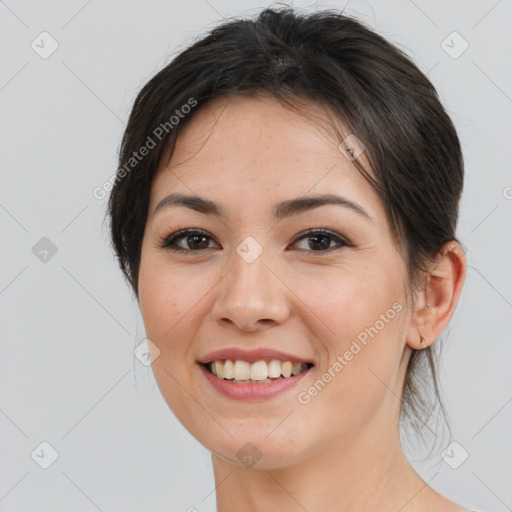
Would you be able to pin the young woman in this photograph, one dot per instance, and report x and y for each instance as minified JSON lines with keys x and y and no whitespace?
{"x":285,"y":210}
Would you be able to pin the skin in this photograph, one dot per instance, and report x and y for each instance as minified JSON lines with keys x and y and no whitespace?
{"x":341,"y":451}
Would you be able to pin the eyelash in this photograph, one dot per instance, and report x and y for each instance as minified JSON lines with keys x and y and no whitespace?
{"x":169,"y":242}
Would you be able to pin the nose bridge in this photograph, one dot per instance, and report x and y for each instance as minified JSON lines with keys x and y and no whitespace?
{"x":250,"y":293}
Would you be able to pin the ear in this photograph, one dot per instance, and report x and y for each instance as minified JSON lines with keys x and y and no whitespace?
{"x":435,"y":303}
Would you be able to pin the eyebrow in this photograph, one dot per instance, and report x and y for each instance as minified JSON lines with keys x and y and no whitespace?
{"x":281,"y":210}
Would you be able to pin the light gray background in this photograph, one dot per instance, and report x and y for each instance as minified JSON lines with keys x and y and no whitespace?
{"x":69,"y":325}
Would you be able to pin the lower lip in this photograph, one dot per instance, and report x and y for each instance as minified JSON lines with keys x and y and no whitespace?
{"x":250,"y":392}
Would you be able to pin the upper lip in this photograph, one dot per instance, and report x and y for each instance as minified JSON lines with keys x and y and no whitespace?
{"x":250,"y":356}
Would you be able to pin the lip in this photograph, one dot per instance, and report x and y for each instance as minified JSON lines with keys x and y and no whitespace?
{"x":251,"y":356}
{"x":251,"y":392}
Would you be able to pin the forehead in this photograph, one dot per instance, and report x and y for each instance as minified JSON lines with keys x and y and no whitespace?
{"x":241,"y":145}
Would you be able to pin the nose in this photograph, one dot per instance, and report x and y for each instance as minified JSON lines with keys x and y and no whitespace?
{"x":251,"y":296}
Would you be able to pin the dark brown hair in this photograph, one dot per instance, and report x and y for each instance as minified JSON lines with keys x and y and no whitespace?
{"x":335,"y":62}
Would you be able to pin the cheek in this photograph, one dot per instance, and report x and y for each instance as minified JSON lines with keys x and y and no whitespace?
{"x":349,"y":299}
{"x":169,"y":302}
{"x":168,"y":294}
{"x":360,"y":317}
{"x":174,"y":304}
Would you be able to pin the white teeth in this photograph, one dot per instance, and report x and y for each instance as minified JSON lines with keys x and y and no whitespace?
{"x":229,"y":369}
{"x":286,"y":369}
{"x":219,"y":369}
{"x":242,"y":370}
{"x":274,"y":368}
{"x":296,"y":368}
{"x":259,"y":371}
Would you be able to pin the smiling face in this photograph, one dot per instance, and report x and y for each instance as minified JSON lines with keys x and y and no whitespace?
{"x":251,"y":278}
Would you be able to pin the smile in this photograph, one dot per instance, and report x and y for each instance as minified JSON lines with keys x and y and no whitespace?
{"x":241,"y":380}
{"x":244,"y":372}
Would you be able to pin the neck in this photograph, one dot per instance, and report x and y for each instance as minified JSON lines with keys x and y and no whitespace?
{"x":360,"y":474}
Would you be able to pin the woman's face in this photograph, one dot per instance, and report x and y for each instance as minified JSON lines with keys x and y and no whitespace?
{"x":252,"y":280}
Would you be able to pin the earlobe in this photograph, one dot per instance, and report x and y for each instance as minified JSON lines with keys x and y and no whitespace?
{"x":436,"y":302}
{"x":415,"y":338}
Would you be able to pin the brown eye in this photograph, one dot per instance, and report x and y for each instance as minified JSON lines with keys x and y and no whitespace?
{"x":187,"y":240}
{"x":193,"y":240}
{"x":197,"y":241}
{"x":320,"y":240}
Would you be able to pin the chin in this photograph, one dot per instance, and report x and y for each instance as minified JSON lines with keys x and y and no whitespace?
{"x":256,"y":449}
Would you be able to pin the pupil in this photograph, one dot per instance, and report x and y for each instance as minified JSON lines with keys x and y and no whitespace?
{"x":326,"y":239}
{"x":194,"y":239}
